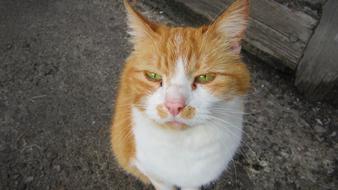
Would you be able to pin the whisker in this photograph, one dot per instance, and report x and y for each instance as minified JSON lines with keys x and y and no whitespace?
{"x":232,"y":126}
{"x":234,"y":112}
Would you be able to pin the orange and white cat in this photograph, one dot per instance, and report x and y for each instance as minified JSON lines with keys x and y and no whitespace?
{"x":178,"y":117}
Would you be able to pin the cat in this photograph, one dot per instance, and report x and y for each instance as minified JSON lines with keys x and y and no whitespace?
{"x":179,"y":110}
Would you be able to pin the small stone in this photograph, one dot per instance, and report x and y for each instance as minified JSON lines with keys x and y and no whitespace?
{"x":319,"y":122}
{"x":57,"y":168}
{"x":263,"y":163}
{"x":320,"y":129}
{"x":9,"y":46}
{"x":320,"y":139}
{"x":267,"y":169}
{"x":29,"y":179}
{"x":333,"y":134}
{"x":16,"y":176}
{"x":284,"y":154}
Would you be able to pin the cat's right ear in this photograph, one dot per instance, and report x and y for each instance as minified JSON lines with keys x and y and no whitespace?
{"x":232,"y":24}
{"x":139,"y":27}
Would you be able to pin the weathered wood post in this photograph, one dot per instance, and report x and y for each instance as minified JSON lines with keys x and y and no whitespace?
{"x":317,"y":72}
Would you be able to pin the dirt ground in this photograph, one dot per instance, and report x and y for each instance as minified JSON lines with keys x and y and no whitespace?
{"x":59,"y":67}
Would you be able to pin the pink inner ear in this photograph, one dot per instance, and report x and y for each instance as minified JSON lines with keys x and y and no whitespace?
{"x":236,"y":47}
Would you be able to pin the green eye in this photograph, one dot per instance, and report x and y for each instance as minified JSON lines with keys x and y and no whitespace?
{"x":203,"y":79}
{"x":153,"y":76}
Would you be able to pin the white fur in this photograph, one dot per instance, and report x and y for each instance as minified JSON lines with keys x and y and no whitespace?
{"x":194,"y":156}
{"x":180,"y":77}
{"x":187,"y":158}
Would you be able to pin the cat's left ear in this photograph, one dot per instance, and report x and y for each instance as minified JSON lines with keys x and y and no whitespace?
{"x":232,"y":23}
{"x":139,"y":27}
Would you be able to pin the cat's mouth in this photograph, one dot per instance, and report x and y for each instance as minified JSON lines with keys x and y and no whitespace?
{"x":175,"y":123}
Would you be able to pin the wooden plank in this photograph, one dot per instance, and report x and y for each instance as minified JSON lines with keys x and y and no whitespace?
{"x":317,"y":73}
{"x":274,"y":29}
{"x":310,"y":7}
{"x":276,"y":16}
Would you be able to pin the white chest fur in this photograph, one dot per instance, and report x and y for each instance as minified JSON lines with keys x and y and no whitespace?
{"x":191,"y":157}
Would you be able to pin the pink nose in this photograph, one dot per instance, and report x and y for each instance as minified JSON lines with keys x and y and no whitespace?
{"x":174,"y":108}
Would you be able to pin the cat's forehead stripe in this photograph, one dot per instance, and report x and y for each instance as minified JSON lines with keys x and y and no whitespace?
{"x":179,"y":75}
{"x":184,"y":46}
{"x":178,"y":39}
{"x":176,"y":44}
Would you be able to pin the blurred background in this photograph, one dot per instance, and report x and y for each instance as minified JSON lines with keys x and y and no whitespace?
{"x":59,"y":69}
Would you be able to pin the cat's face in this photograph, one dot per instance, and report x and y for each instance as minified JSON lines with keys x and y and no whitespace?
{"x":180,"y":77}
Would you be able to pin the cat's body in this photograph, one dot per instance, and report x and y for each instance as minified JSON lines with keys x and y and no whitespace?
{"x":178,"y":116}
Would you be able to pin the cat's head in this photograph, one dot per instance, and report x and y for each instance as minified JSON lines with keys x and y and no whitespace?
{"x":178,"y":76}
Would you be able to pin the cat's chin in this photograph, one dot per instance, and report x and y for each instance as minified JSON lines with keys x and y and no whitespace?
{"x":174,"y":125}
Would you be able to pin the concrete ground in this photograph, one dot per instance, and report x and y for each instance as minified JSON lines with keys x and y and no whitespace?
{"x":59,"y":67}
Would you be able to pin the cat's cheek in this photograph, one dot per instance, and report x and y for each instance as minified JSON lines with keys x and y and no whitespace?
{"x":151,"y":112}
{"x":161,"y":111}
{"x":188,"y":113}
{"x":154,"y":105}
{"x":203,"y":100}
